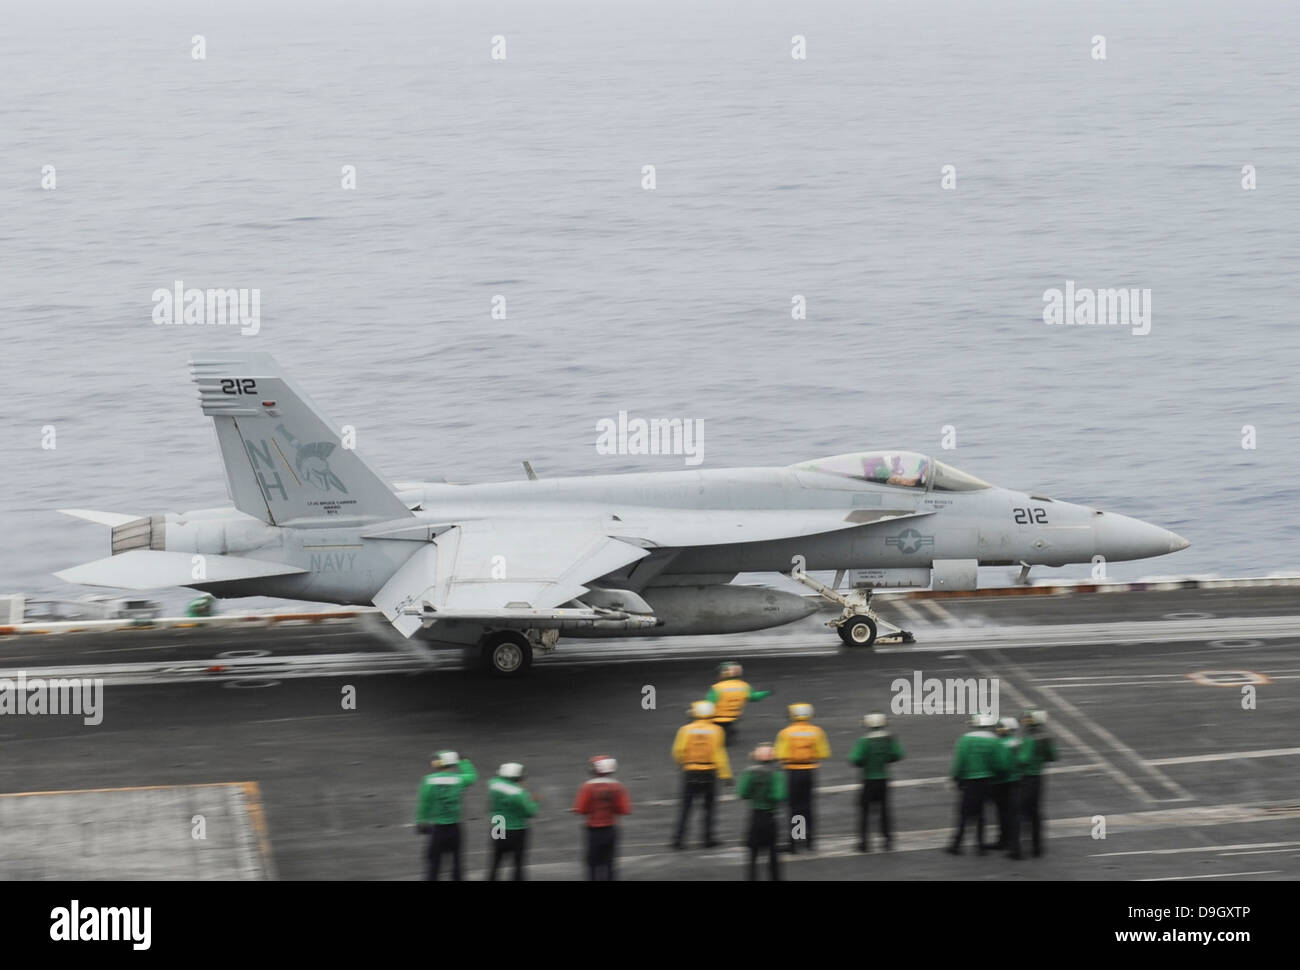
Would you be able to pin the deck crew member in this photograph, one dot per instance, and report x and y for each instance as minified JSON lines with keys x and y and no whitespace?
{"x":510,"y":806}
{"x":602,"y":800}
{"x":978,"y":756}
{"x":764,"y":787}
{"x":730,"y":695}
{"x":800,"y":747}
{"x":1006,"y":790}
{"x":438,"y":809}
{"x":874,"y":752}
{"x":1036,"y":750}
{"x":701,"y":750}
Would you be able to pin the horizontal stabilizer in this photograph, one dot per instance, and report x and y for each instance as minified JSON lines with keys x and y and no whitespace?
{"x":154,"y":569}
{"x":103,"y":518}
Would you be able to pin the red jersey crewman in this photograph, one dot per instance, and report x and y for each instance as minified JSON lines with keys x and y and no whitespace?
{"x":602,"y":800}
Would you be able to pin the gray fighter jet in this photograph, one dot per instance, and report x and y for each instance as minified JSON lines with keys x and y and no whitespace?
{"x":506,"y":568}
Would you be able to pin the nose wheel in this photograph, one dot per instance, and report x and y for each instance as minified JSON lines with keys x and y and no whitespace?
{"x":858,"y":631}
{"x":858,"y":624}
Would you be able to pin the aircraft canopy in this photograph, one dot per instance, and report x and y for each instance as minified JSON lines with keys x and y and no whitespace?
{"x":906,"y":469}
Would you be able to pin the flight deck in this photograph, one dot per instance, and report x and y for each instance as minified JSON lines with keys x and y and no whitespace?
{"x":302,"y":744}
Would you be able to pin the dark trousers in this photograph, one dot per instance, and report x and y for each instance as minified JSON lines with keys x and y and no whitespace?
{"x":974,"y":793}
{"x":701,"y":785}
{"x":512,"y":843}
{"x":874,"y":791}
{"x":600,"y":853}
{"x":1031,"y":801}
{"x":444,"y":840}
{"x":729,"y":730}
{"x":762,"y":838}
{"x":801,"y":781}
{"x":1006,"y":796}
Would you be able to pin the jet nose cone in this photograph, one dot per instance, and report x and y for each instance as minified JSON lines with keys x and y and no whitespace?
{"x":1120,"y":537}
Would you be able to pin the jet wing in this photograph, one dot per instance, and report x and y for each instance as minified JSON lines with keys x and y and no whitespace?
{"x":513,"y":571}
{"x":504,"y":570}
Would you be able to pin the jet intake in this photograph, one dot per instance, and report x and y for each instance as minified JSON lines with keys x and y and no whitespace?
{"x":955,"y":574}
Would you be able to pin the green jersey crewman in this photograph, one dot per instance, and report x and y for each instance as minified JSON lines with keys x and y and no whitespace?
{"x":978,"y":757}
{"x":1006,"y":790}
{"x":874,"y":752}
{"x":1036,"y":750}
{"x":510,"y":806}
{"x":438,"y":809}
{"x":764,"y":787}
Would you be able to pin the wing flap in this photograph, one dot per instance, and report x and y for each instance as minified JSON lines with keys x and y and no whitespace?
{"x":407,"y":587}
{"x":502,"y":570}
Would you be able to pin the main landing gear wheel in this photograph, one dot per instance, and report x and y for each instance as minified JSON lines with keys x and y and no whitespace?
{"x":858,"y":631}
{"x":507,"y":654}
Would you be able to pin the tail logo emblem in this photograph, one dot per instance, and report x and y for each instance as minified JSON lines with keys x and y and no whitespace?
{"x":312,"y":462}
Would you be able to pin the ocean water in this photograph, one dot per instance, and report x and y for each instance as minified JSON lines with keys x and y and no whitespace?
{"x":775,"y":177}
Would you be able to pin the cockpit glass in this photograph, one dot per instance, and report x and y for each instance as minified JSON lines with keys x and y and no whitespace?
{"x":949,"y":479}
{"x":905,"y":469}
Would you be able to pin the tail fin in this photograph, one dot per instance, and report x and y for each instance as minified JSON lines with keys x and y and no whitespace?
{"x":285,"y":462}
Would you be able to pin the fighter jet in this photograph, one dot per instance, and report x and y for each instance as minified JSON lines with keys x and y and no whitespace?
{"x":505,"y":569}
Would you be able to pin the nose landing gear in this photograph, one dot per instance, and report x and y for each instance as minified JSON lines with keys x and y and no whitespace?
{"x":858,"y":624}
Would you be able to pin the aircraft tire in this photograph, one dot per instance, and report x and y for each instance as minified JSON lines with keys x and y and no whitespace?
{"x":858,"y":631}
{"x":506,"y":653}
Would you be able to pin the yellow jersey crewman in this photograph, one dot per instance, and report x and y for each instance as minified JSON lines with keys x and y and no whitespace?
{"x":730,"y":695}
{"x":701,"y":750}
{"x":800,"y":747}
